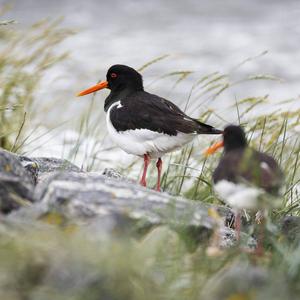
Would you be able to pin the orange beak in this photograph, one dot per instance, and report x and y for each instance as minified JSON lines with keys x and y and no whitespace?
{"x":99,"y":86}
{"x":212,"y":149}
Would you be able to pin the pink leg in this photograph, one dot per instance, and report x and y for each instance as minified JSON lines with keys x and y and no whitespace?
{"x":146,"y":164}
{"x":159,"y":167}
{"x":237,"y":225}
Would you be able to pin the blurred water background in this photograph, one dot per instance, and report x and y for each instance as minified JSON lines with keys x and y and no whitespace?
{"x":199,"y":36}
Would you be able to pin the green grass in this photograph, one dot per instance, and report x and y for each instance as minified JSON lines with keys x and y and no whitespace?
{"x":25,"y":58}
{"x":62,"y":262}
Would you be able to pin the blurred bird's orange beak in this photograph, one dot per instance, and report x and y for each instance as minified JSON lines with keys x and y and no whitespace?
{"x":212,"y":149}
{"x":99,"y":86}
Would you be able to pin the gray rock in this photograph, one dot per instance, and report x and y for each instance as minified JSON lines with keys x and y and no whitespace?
{"x":48,"y":165}
{"x":91,"y":198}
{"x":113,"y":173}
{"x":85,"y":196}
{"x":109,"y":202}
{"x":90,"y":194}
{"x":16,"y":184}
{"x":228,"y":239}
{"x":31,"y":167}
{"x":40,"y":167}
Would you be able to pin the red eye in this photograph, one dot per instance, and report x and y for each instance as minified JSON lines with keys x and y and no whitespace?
{"x":113,"y":75}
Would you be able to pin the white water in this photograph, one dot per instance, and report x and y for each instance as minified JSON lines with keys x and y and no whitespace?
{"x":203,"y":36}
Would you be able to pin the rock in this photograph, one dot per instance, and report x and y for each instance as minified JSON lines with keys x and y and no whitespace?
{"x":19,"y":174}
{"x":112,"y":173}
{"x":16,"y":184}
{"x":40,"y":167}
{"x":31,"y":167}
{"x":110,"y":203}
{"x":91,"y":198}
{"x":89,"y":194}
{"x":103,"y":228}
{"x":48,"y":165}
{"x":83,"y":196}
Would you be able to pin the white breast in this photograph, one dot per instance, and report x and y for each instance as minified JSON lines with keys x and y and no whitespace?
{"x":144,"y":141}
{"x":238,"y":195}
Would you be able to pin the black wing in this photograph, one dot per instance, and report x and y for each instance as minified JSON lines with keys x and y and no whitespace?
{"x":142,"y":110}
{"x":250,"y":165}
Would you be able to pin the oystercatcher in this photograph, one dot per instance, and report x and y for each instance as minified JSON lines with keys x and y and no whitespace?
{"x":144,"y":124}
{"x":245,"y":178}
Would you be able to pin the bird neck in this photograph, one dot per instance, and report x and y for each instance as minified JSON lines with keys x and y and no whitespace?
{"x":234,"y":147}
{"x":117,"y":95}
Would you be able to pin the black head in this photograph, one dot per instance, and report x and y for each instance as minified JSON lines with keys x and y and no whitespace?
{"x":234,"y":138}
{"x":121,"y":77}
{"x":121,"y":80}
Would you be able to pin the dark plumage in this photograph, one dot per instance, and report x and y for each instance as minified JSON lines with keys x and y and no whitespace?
{"x":240,"y":169}
{"x":144,"y":124}
{"x":142,"y":110}
{"x":241,"y":163}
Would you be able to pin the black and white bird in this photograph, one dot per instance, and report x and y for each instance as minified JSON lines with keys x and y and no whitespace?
{"x":144,"y":124}
{"x":245,"y":178}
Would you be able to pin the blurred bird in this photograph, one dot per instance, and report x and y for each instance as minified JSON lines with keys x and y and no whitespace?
{"x":245,"y":178}
{"x":144,"y":124}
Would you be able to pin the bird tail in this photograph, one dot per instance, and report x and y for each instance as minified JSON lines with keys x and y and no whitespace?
{"x":207,"y":129}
